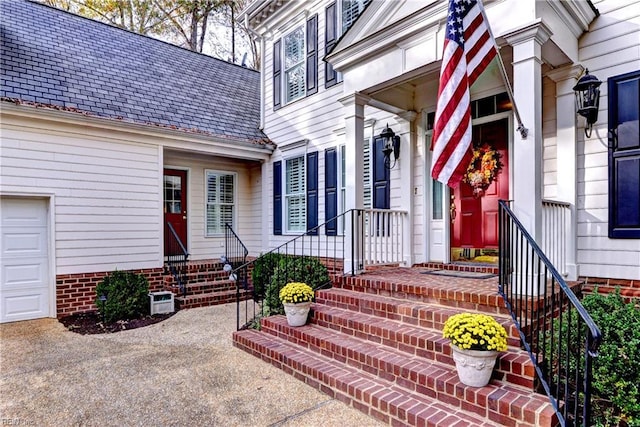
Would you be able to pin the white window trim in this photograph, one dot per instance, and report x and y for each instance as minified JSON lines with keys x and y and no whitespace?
{"x":234,"y":216}
{"x":283,"y":73}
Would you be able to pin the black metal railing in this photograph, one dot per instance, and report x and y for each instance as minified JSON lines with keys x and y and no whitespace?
{"x":235,"y":259}
{"x":177,"y":257}
{"x":299,"y":257}
{"x":557,"y":332}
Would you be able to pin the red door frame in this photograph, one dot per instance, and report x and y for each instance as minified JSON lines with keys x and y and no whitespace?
{"x":476,"y":221}
{"x":175,"y":206}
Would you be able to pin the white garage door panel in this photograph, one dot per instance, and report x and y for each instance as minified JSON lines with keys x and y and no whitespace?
{"x":25,"y":244}
{"x":24,"y":275}
{"x":25,"y":283}
{"x":23,"y":306}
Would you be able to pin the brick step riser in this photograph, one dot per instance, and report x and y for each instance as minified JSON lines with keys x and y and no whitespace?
{"x":492,"y":307}
{"x":513,"y":366}
{"x":199,"y":277}
{"x":207,"y":300}
{"x":415,"y":377}
{"x":395,"y":405}
{"x":426,"y":317}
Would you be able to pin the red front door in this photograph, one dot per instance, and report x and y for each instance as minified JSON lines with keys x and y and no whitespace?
{"x":175,"y":206}
{"x":474,"y":231}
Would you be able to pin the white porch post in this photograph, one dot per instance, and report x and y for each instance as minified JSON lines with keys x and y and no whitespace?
{"x":527,"y":153}
{"x":353,"y":107}
{"x":407,"y":122}
{"x":566,"y":157}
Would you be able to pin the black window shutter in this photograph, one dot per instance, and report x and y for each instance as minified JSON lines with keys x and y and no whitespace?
{"x":330,"y":39}
{"x":312,"y":55}
{"x":381,"y":178}
{"x":312,"y":192}
{"x":624,"y":156}
{"x":277,"y":71}
{"x":331,"y":190}
{"x":277,"y":198}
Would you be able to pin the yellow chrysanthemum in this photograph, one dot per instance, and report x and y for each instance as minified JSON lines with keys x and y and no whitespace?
{"x":475,"y":332}
{"x":296,"y":292}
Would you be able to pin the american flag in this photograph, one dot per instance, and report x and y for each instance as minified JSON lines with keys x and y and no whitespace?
{"x":468,"y":49}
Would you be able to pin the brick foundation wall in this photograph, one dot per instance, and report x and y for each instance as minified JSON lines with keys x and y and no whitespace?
{"x":76,"y":293}
{"x":628,"y":288}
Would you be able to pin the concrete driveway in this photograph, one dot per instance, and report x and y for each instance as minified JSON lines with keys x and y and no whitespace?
{"x":183,"y":371}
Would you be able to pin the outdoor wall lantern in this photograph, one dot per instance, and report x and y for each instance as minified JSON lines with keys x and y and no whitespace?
{"x":587,"y":92}
{"x":391,"y":145}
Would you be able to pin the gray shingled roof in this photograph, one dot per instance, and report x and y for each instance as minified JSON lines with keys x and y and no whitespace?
{"x":51,"y":57}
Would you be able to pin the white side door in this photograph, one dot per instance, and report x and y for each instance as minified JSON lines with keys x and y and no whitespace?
{"x":25,"y":285}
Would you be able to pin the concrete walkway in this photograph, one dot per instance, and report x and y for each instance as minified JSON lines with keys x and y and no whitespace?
{"x":183,"y":371}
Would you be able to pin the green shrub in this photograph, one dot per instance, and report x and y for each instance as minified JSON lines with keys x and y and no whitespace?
{"x":262,"y":272}
{"x":616,"y":376}
{"x":284,"y":269}
{"x":127,"y":296}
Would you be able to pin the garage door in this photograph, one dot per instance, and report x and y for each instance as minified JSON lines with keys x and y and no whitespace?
{"x":25,"y":287}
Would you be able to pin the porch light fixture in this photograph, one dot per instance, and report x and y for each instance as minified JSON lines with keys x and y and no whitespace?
{"x":391,"y":145}
{"x":587,"y":92}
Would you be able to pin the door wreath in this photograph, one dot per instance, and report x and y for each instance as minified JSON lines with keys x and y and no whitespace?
{"x":483,"y":169}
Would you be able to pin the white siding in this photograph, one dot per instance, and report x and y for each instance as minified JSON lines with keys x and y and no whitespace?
{"x":247,"y":202}
{"x":107,"y":208}
{"x":610,"y":48}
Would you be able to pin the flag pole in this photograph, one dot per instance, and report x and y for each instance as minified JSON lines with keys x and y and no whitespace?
{"x":523,"y":130}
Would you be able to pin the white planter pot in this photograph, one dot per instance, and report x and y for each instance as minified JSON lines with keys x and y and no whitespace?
{"x":297,"y":313}
{"x":474,"y":366}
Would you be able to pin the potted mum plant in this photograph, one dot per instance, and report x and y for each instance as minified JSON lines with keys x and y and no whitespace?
{"x":476,"y":341}
{"x":296,"y":298}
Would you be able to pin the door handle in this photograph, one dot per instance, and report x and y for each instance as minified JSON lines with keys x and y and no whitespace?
{"x":184,"y":217}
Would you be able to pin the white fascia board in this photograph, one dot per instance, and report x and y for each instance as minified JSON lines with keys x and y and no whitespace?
{"x":170,"y":138}
{"x":387,"y":38}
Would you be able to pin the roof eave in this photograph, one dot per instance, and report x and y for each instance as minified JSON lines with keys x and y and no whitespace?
{"x":165,"y":136}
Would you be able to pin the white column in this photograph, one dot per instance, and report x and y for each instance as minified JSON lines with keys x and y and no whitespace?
{"x":353,"y":107}
{"x":527,"y":153}
{"x":406,"y":164}
{"x":566,"y":157}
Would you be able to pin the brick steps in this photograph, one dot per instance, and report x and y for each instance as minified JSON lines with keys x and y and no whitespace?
{"x":407,"y":311}
{"x":375,"y":342}
{"x":424,"y":341}
{"x":412,"y":372}
{"x":206,"y":284}
{"x":462,"y":299}
{"x":374,"y":396}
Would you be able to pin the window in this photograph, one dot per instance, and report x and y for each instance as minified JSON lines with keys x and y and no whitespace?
{"x":624,"y":156}
{"x":220,"y":201}
{"x":295,"y":195}
{"x":335,"y":182}
{"x":339,"y":17}
{"x":295,"y":63}
{"x":350,"y":11}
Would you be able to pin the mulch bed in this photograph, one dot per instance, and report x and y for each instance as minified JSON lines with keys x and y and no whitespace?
{"x":91,"y":323}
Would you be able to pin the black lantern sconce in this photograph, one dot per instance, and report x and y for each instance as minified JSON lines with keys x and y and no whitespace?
{"x":391,"y":145}
{"x":587,"y":92}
